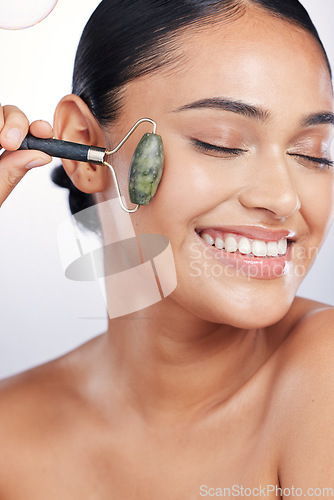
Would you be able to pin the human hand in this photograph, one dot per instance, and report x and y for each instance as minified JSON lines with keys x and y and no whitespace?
{"x":14,"y":126}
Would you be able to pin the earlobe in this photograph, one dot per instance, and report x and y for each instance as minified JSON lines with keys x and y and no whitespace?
{"x":73,"y":121}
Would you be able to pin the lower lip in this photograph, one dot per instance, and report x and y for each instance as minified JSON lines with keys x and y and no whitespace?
{"x":265,"y":268}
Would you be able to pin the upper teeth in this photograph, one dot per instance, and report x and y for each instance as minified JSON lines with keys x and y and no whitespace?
{"x":258,"y":248}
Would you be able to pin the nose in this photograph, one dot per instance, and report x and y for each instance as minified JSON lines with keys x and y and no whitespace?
{"x":271,"y":187}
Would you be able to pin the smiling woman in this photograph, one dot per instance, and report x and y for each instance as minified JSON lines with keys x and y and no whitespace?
{"x":228,"y":379}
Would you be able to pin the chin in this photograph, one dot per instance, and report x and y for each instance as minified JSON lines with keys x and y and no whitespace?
{"x":235,"y":305}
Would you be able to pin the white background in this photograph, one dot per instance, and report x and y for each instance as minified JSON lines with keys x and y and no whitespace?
{"x":43,"y":314}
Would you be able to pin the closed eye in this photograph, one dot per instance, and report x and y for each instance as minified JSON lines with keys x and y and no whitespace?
{"x":317,"y":162}
{"x":320,"y":163}
{"x":218,"y":149}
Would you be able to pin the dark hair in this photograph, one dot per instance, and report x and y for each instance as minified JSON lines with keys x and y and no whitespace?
{"x":125,"y":39}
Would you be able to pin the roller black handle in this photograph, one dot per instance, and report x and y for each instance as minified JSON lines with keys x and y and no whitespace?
{"x":64,"y":149}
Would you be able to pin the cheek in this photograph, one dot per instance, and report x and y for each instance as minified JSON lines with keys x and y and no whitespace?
{"x":192,"y":186}
{"x":316,"y":193}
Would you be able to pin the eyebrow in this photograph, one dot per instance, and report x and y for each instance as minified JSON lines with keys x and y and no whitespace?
{"x":255,"y":112}
{"x":241,"y":108}
{"x":326,"y":118}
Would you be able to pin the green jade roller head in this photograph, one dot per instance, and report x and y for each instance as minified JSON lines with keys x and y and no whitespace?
{"x":145,"y":169}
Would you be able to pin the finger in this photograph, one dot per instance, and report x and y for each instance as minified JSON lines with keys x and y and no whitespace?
{"x":15,"y":128}
{"x":41,"y":128}
{"x":15,"y":165}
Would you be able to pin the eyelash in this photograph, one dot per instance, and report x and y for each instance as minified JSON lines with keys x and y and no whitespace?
{"x":322,"y":162}
{"x":219,"y":149}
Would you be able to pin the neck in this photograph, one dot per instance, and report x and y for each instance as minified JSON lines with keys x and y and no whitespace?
{"x":168,"y":362}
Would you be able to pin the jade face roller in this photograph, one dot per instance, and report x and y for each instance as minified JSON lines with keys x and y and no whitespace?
{"x":145,"y":168}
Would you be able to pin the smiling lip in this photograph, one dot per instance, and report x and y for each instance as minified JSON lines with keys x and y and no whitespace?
{"x":254,"y":232}
{"x":263,"y":268}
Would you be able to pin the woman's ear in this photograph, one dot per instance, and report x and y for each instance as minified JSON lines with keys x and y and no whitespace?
{"x":74,"y":122}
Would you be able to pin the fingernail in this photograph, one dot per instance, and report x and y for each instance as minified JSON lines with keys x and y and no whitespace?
{"x":14,"y":136}
{"x":37,"y":163}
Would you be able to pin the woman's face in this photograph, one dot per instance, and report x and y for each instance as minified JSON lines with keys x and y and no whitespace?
{"x":241,"y":116}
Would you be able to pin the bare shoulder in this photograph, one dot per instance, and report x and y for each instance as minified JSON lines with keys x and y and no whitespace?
{"x":62,"y":377}
{"x":40,"y":413}
{"x":28,"y":400}
{"x":310,"y":340}
{"x":305,"y":403}
{"x":46,"y":389}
